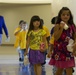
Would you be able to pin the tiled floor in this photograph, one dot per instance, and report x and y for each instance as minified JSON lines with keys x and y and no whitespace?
{"x":9,"y":64}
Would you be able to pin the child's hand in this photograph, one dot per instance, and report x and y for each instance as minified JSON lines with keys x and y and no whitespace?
{"x":42,"y":47}
{"x":49,"y":54}
{"x":26,"y":52}
{"x":62,"y":24}
{"x":74,"y":49}
{"x":42,"y":50}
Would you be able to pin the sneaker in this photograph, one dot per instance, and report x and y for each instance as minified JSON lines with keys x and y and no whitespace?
{"x":73,"y":70}
{"x":21,"y":60}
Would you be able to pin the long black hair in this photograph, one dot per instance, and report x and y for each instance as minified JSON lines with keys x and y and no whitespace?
{"x":33,"y":19}
{"x":70,"y":21}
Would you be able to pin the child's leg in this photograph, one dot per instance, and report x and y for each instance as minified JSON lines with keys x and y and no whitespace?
{"x":43,"y":64}
{"x":22,"y":54}
{"x":54,"y":70}
{"x":38,"y":69}
{"x":18,"y":50}
{"x":69,"y":71}
{"x":64,"y":72}
{"x":43,"y":70}
{"x":45,"y":53}
{"x":23,"y":51}
{"x":19,"y":55}
{"x":35,"y":70}
{"x":32,"y":69}
{"x":59,"y":71}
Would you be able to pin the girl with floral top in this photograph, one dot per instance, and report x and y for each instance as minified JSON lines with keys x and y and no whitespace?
{"x":62,"y":58}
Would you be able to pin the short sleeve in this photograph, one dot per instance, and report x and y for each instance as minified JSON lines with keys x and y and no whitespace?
{"x":17,"y":29}
{"x":47,"y":31}
{"x":29,"y":33}
{"x":43,"y":32}
{"x":52,"y":31}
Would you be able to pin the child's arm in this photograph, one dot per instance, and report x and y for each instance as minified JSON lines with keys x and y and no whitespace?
{"x":58,"y":31}
{"x":50,"y":51}
{"x":27,"y":45}
{"x":5,"y":27}
{"x":74,"y":46}
{"x":17,"y":32}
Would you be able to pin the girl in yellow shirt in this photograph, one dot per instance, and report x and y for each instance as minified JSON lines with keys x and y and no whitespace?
{"x":35,"y":36}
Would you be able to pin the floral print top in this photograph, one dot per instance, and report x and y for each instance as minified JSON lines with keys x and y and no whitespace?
{"x":60,"y":50}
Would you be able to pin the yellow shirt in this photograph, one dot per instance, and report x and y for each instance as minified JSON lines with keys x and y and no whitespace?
{"x":36,"y":38}
{"x":47,"y":34}
{"x":47,"y":31}
{"x":22,"y":39}
{"x":16,"y":44}
{"x":52,"y":39}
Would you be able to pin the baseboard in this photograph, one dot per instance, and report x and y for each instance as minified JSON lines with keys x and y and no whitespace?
{"x":7,"y":45}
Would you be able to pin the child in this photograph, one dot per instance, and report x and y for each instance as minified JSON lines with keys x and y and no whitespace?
{"x":16,"y":33}
{"x":53,"y":21}
{"x":35,"y":37}
{"x":22,"y":40}
{"x":61,"y":57}
{"x":47,"y":42}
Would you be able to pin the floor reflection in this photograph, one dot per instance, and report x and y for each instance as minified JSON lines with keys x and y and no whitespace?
{"x":10,"y":65}
{"x":14,"y":69}
{"x":18,"y":68}
{"x":24,"y":69}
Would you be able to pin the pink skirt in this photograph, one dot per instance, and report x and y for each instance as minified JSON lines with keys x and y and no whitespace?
{"x":62,"y":64}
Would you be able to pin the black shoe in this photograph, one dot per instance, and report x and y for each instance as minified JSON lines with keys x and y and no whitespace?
{"x":72,"y":70}
{"x":19,"y":59}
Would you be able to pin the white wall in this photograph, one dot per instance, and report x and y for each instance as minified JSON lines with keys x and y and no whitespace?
{"x":26,"y":1}
{"x":17,"y":12}
{"x":13,"y":13}
{"x":58,"y":4}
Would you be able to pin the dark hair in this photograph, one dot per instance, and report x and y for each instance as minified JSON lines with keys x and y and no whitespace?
{"x":21,"y":21}
{"x":24,"y":22}
{"x":59,"y":16}
{"x":33,"y":19}
{"x":42,"y":21}
{"x":54,"y":19}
